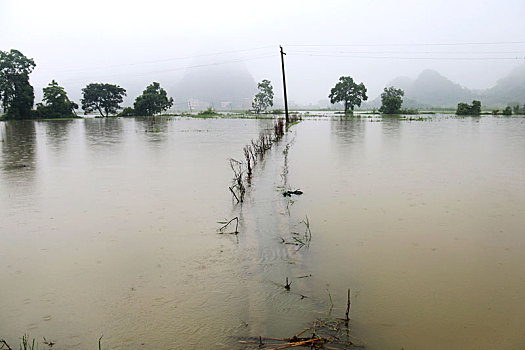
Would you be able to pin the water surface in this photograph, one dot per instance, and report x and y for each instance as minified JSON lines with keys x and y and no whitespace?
{"x":108,"y":227}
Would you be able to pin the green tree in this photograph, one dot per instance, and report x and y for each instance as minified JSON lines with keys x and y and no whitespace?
{"x":264,"y":98}
{"x":475,"y":109}
{"x":507,"y":111}
{"x":16,"y":93}
{"x":104,"y":98}
{"x":391,"y":100}
{"x":348,"y":92}
{"x":127,"y":112}
{"x":152,"y":101}
{"x":466,"y":109}
{"x":57,"y":104}
{"x":463,"y":109}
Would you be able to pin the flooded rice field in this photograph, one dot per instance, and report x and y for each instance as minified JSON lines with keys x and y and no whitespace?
{"x":108,"y":228}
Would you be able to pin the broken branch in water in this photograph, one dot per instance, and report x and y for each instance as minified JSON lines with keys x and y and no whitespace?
{"x":248,"y":156}
{"x":3,"y":342}
{"x":233,"y":192}
{"x":313,"y":342}
{"x":237,"y":180}
{"x":236,"y":226}
{"x":321,"y":334}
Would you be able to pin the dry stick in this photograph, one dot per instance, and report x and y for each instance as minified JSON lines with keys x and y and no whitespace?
{"x":246,"y":150}
{"x":252,"y":154}
{"x":301,"y":332}
{"x":330,"y":348}
{"x":5,"y":343}
{"x":236,"y":167}
{"x":299,"y":343}
{"x":236,"y":224}
{"x":257,"y":342}
{"x":234,"y":194}
{"x":347,"y":318}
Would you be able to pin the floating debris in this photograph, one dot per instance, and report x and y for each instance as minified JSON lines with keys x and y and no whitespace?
{"x":322,"y":334}
{"x":289,"y":193}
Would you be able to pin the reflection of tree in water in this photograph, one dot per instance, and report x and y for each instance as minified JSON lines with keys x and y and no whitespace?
{"x":348,"y":130}
{"x":104,"y":131}
{"x":57,"y":132}
{"x":18,"y":144}
{"x":153,"y":125}
{"x":391,"y":126}
{"x":17,"y":157}
{"x":264,"y":124}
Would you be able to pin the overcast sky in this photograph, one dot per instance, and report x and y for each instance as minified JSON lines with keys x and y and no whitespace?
{"x":374,"y":41}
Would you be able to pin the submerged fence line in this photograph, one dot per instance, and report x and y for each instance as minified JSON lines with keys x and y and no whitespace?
{"x":253,"y":152}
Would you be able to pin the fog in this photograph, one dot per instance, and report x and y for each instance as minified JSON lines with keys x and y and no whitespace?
{"x":132,"y":43}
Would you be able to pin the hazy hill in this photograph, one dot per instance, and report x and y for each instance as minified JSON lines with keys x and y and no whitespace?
{"x":431,"y":89}
{"x":221,"y":86}
{"x":508,"y":90}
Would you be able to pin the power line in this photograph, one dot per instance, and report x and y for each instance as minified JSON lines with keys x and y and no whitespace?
{"x":187,"y":67}
{"x":416,"y":58}
{"x":411,"y":44}
{"x":381,"y":55}
{"x":166,"y":59}
{"x":216,"y":63}
{"x":322,"y":54}
{"x":411,"y":52}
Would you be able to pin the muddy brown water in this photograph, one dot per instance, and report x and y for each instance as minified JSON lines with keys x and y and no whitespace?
{"x":108,"y":227}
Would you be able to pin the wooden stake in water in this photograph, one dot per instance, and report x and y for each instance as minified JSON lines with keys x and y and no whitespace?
{"x":287,"y":285}
{"x":347,"y":315}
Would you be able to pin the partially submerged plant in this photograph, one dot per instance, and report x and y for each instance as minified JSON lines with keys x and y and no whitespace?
{"x":227,"y":223}
{"x":252,"y":152}
{"x":308,"y":232}
{"x":238,"y":184}
{"x":250,"y":158}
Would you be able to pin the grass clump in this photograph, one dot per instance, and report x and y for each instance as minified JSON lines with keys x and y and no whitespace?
{"x":210,"y":112}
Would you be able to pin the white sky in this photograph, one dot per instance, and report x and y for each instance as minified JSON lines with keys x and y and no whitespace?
{"x":137,"y":42}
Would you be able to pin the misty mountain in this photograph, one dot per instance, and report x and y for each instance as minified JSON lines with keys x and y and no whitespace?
{"x":431,"y":89}
{"x":230,"y":86}
{"x":508,"y":90}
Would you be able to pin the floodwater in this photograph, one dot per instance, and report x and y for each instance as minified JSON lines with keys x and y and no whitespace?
{"x":108,"y":228}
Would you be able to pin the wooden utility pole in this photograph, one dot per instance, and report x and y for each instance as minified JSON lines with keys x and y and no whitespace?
{"x":284,"y":86}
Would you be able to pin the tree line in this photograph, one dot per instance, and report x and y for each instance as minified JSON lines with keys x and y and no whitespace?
{"x":17,"y":95}
{"x":345,"y":91}
{"x":475,"y":109}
